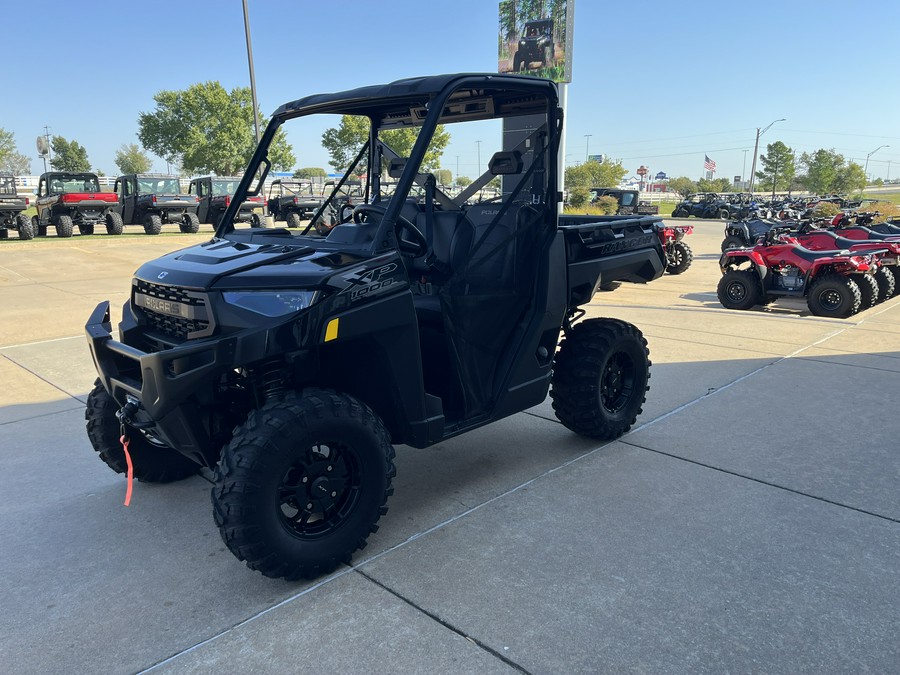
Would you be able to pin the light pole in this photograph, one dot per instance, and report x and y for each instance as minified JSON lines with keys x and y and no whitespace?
{"x":252,"y":76}
{"x":744,"y":168}
{"x":866,"y":170}
{"x":457,"y":167}
{"x":756,"y":150}
{"x":478,"y":143}
{"x":587,"y":144}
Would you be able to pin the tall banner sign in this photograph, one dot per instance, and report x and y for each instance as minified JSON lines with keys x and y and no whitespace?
{"x":536,"y":38}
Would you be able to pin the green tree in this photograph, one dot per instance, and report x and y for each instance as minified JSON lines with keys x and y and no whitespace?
{"x":344,"y":142}
{"x":778,"y":168}
{"x":7,"y":144}
{"x":822,"y":168}
{"x":714,"y":185}
{"x":850,"y":178}
{"x":683,"y":186}
{"x":443,"y":176}
{"x":462,"y":181}
{"x":68,"y":156}
{"x":205,"y":128}
{"x":16,"y":163}
{"x":310,"y":172}
{"x":595,"y":174}
{"x":131,"y":159}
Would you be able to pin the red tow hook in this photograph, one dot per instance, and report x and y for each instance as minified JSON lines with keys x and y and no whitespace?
{"x":124,"y":415}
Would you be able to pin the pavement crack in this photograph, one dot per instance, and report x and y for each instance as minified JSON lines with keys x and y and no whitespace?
{"x":737,"y":474}
{"x":446,"y":624}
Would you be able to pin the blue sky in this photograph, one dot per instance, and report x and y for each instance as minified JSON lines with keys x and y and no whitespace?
{"x":655,"y":83}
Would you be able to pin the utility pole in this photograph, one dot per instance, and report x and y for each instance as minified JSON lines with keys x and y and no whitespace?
{"x":478,"y":143}
{"x":49,"y":149}
{"x":756,"y":150}
{"x":457,"y":167}
{"x":744,"y":169}
{"x":866,"y":170}
{"x":587,"y":145}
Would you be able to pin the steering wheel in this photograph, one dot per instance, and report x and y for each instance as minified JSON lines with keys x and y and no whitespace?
{"x":416,"y":247}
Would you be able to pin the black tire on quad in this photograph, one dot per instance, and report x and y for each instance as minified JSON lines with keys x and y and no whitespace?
{"x":190,"y":223}
{"x":868,"y":291}
{"x":151,"y":463}
{"x":86,"y":229}
{"x":152,"y":224}
{"x":681,"y":258}
{"x":303,"y":483}
{"x":834,"y":296}
{"x":677,"y":213}
{"x":64,"y":226}
{"x":600,"y":378}
{"x":114,"y":224}
{"x":739,"y":289}
{"x":724,"y":214}
{"x":732,"y":241}
{"x":887,"y":283}
{"x":256,"y":220}
{"x":293,"y":219}
{"x":895,"y":273}
{"x":24,"y":226}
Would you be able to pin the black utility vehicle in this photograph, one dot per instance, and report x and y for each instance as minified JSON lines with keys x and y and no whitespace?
{"x":153,"y":199}
{"x":291,"y":364}
{"x":703,"y":205}
{"x":12,"y":205}
{"x":66,"y":199}
{"x":535,"y":45}
{"x":214,"y":195}
{"x":292,"y":201}
{"x":628,"y":200}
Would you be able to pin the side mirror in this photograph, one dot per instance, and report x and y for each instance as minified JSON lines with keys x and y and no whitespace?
{"x":505,"y":163}
{"x":396,"y":166}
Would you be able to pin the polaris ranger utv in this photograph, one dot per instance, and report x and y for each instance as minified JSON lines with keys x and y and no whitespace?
{"x":291,"y":364}
{"x":12,"y":207}
{"x":66,"y":199}
{"x":153,"y":199}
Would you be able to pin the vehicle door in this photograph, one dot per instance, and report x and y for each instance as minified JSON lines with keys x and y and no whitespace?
{"x":44,"y":200}
{"x":127,"y":198}
{"x":697,"y":205}
{"x":197,"y":188}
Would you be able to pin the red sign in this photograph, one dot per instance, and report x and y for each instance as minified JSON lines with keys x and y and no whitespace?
{"x":642,"y":171}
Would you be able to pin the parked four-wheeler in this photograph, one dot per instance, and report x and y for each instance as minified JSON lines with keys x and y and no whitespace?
{"x":678,"y":254}
{"x":535,"y":45}
{"x":153,"y":199}
{"x":703,"y":205}
{"x":830,"y":280}
{"x":292,"y":365}
{"x":887,"y":254}
{"x":292,"y":201}
{"x":214,"y":195}
{"x":66,"y":199}
{"x":746,"y":233}
{"x":12,"y":207}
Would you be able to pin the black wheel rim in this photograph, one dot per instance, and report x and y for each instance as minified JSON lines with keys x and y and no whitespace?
{"x":736,"y":291}
{"x":319,"y":490}
{"x":617,"y":382}
{"x":830,"y":299}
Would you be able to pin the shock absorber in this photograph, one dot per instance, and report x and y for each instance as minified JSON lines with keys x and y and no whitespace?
{"x":270,"y":379}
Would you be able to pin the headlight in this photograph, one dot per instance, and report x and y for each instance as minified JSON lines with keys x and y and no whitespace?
{"x":271,"y":303}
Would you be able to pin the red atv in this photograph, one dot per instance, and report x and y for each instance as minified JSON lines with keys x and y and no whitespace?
{"x":828,"y":279}
{"x":887,"y":252}
{"x":678,"y":254}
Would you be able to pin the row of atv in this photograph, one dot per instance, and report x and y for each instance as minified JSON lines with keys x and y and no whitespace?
{"x":840,"y":269}
{"x":69,"y":200}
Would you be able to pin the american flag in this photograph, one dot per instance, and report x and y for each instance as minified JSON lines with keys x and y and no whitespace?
{"x":708,"y":164}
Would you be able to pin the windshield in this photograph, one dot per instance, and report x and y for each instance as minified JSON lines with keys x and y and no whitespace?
{"x":7,"y":185}
{"x":224,"y":186}
{"x":73,"y":182}
{"x":158,"y":186}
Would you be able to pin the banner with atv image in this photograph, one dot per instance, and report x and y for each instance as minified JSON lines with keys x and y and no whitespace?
{"x":535,"y":38}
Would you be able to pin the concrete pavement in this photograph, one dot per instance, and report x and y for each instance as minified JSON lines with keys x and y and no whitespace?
{"x":749,"y":523}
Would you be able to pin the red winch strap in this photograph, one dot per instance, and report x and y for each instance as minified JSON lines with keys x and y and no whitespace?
{"x":124,"y":441}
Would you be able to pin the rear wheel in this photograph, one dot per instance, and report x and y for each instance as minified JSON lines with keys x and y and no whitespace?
{"x":190,"y":223}
{"x":887,"y":284}
{"x":303,"y":483}
{"x":152,"y":224}
{"x":64,"y":226}
{"x":152,"y":463}
{"x":724,"y":214}
{"x":114,"y":224}
{"x":24,"y":225}
{"x":834,"y":296}
{"x":680,"y":258}
{"x":678,"y":213}
{"x":600,"y":378}
{"x":739,"y":289}
{"x":732,"y":241}
{"x":256,"y":220}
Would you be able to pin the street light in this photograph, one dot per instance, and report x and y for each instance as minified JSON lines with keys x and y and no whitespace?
{"x":756,"y":150}
{"x":866,"y":170}
{"x":587,"y":144}
{"x":252,"y":76}
{"x":478,"y":143}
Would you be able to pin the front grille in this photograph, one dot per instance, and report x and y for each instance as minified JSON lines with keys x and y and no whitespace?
{"x":173,"y":311}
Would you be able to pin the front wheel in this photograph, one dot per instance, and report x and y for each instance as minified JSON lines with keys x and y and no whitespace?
{"x":114,"y":224}
{"x":152,"y":224}
{"x":834,"y":296}
{"x":678,"y":213}
{"x":256,"y":220}
{"x":25,"y":228}
{"x":293,"y":219}
{"x":152,"y":463}
{"x":600,"y":378}
{"x":724,"y":214}
{"x":680,"y":258}
{"x":190,"y":223}
{"x":739,"y":289}
{"x":303,"y":483}
{"x":64,"y":226}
